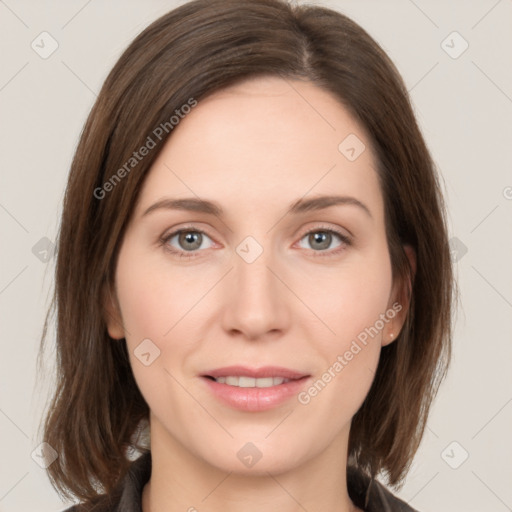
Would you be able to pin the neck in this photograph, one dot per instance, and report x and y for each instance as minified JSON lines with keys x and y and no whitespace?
{"x":180,"y":481}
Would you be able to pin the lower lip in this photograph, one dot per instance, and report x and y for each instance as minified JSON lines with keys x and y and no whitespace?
{"x":255,"y":399}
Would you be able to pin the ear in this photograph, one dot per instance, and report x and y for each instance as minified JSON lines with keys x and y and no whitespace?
{"x":400,"y":300}
{"x":112,"y":314}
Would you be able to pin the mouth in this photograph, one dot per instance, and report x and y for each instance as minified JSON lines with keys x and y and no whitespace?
{"x":252,"y":389}
{"x":244,"y":381}
{"x":245,"y":377}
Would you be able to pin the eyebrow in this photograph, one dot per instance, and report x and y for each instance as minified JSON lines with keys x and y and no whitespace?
{"x":300,"y":206}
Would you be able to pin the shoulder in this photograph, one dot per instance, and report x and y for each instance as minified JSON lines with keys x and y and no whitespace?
{"x":371,"y":495}
{"x":389,"y":500}
{"x":101,"y":504}
{"x":127,"y":497}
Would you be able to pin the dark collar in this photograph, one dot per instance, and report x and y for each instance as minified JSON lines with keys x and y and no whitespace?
{"x":370,"y":496}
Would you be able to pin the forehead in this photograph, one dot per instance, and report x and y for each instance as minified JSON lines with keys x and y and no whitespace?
{"x":265,"y":139}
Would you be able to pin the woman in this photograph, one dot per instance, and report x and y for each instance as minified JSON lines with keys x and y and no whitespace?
{"x":253,"y":263}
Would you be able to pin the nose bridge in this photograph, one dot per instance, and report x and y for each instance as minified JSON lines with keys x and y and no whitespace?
{"x":257,"y":305}
{"x":254,"y":280}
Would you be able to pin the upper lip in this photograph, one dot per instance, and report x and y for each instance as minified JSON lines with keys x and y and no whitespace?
{"x":265,"y":371}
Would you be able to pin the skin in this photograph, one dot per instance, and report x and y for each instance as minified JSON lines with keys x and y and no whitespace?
{"x":255,"y":148}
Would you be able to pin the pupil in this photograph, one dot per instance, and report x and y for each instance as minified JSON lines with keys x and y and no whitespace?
{"x":190,"y":238}
{"x":322,"y":238}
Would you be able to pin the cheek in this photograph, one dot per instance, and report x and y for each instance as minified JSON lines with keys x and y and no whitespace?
{"x":142,"y":305}
{"x":152,"y":300}
{"x":350,"y":299}
{"x":352,"y":303}
{"x":162,"y":306}
{"x":350,"y":357}
{"x":151,"y":307}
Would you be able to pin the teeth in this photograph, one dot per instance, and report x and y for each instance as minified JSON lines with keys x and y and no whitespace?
{"x":251,"y":382}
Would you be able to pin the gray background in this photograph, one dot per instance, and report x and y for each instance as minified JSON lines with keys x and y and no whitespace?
{"x":464,"y":106}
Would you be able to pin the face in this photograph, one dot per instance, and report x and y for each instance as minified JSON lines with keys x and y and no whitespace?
{"x":267,"y":277}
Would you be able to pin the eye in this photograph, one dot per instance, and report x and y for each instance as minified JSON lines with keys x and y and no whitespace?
{"x":185,"y":241}
{"x":321,"y":239}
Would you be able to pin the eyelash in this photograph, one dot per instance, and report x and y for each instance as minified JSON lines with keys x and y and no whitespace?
{"x":346,"y":241}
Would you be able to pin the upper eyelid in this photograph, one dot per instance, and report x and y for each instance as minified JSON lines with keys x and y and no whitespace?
{"x":173,"y":232}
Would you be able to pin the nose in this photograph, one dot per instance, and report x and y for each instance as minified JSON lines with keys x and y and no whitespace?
{"x":257,"y":302}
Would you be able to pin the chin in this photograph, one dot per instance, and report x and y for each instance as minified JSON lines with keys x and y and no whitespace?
{"x":256,"y":458}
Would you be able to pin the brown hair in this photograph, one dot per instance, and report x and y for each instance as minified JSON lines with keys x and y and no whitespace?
{"x":191,"y":52}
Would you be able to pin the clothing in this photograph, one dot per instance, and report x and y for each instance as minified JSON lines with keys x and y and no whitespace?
{"x":128,"y":497}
